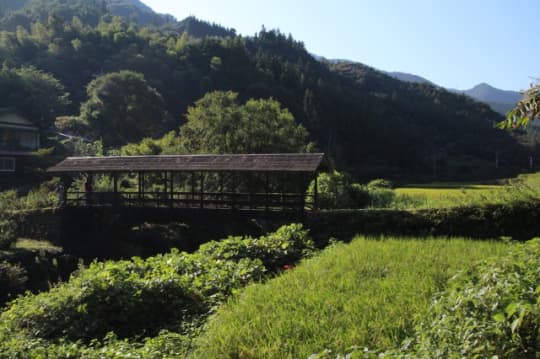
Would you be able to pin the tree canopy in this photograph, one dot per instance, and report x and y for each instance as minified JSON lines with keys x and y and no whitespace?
{"x":122,"y":108}
{"x":219,"y":124}
{"x":34,"y":93}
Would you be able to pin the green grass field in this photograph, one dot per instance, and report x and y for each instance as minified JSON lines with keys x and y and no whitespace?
{"x":438,"y":195}
{"x":452,"y":194}
{"x":366,"y":293}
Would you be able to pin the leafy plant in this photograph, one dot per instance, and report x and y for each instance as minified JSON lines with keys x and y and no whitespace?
{"x":145,"y":303}
{"x":491,"y":310}
{"x":12,"y":280}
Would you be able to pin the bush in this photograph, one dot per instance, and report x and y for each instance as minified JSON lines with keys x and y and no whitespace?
{"x":12,"y":281}
{"x":336,"y":190}
{"x":287,"y":245}
{"x":7,"y":232}
{"x":518,"y":220}
{"x":127,"y":297}
{"x":380,"y":183}
{"x":381,"y":197}
{"x":106,"y":306}
{"x":491,"y":310}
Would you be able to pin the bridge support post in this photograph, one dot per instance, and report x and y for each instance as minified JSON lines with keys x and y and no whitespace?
{"x":115,"y":190}
{"x":316,"y":193}
{"x":171,"y":200}
{"x":202,"y":191}
{"x":266,"y":190}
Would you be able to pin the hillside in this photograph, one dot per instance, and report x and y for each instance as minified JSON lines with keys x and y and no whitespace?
{"x":370,"y":124}
{"x":403,"y":76}
{"x":500,"y":101}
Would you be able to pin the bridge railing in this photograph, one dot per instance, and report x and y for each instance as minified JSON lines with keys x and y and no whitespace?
{"x":206,"y":200}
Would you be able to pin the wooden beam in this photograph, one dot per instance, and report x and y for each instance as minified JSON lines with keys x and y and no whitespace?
{"x":266,"y":190}
{"x":316,"y":193}
{"x":193,"y":186}
{"x":202,"y":190}
{"x":172,"y":188}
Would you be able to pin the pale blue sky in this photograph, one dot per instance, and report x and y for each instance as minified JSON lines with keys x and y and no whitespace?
{"x":455,"y":43}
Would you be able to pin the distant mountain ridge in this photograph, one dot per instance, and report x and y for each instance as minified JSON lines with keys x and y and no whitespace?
{"x":500,"y":101}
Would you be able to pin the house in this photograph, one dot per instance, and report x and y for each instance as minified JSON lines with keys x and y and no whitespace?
{"x":19,"y":137}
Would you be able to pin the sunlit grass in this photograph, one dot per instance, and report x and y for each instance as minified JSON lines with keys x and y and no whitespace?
{"x":366,"y":293}
{"x":453,"y":194}
{"x":31,"y":244}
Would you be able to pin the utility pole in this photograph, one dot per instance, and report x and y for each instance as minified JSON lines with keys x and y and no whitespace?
{"x":531,"y":163}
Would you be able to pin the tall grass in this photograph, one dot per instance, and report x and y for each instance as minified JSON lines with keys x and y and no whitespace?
{"x":365,"y":293}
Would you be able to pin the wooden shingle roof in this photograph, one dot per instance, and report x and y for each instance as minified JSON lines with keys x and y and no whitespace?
{"x":289,"y":162}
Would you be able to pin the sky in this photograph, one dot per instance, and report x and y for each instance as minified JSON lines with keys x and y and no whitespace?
{"x":456,"y":44}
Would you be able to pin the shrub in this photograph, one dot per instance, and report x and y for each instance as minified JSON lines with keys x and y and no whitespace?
{"x":7,"y":232}
{"x":336,"y":190}
{"x":12,"y":281}
{"x":287,"y":245}
{"x":491,"y":310}
{"x":127,"y":297}
{"x":380,"y":183}
{"x":108,"y":307}
{"x":381,"y":197}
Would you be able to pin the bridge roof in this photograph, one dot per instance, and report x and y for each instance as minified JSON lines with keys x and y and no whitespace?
{"x":288,"y":162}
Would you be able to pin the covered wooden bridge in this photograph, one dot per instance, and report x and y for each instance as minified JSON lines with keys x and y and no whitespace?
{"x":251,"y":182}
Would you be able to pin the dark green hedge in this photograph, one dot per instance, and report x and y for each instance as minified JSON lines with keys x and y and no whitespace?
{"x":519,"y":220}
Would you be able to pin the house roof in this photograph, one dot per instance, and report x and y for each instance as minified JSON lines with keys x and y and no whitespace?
{"x":14,"y":153}
{"x":289,"y":162}
{"x":10,"y":118}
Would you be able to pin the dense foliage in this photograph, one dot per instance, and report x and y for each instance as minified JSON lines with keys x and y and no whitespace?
{"x":122,"y":108}
{"x":218,"y":124}
{"x":162,"y":299}
{"x":12,"y":281}
{"x":337,"y":190}
{"x":492,"y":309}
{"x":7,"y":225}
{"x":36,"y":94}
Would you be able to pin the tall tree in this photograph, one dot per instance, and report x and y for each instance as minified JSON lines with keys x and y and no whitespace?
{"x":219,"y":124}
{"x":122,"y":108}
{"x":34,"y":93}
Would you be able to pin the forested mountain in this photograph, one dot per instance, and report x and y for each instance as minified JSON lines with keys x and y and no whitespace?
{"x":403,"y":76}
{"x":370,"y":124}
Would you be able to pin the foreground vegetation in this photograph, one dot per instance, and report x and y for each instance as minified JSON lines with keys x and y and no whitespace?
{"x":399,"y":297}
{"x":142,"y":308}
{"x":367,"y":293}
